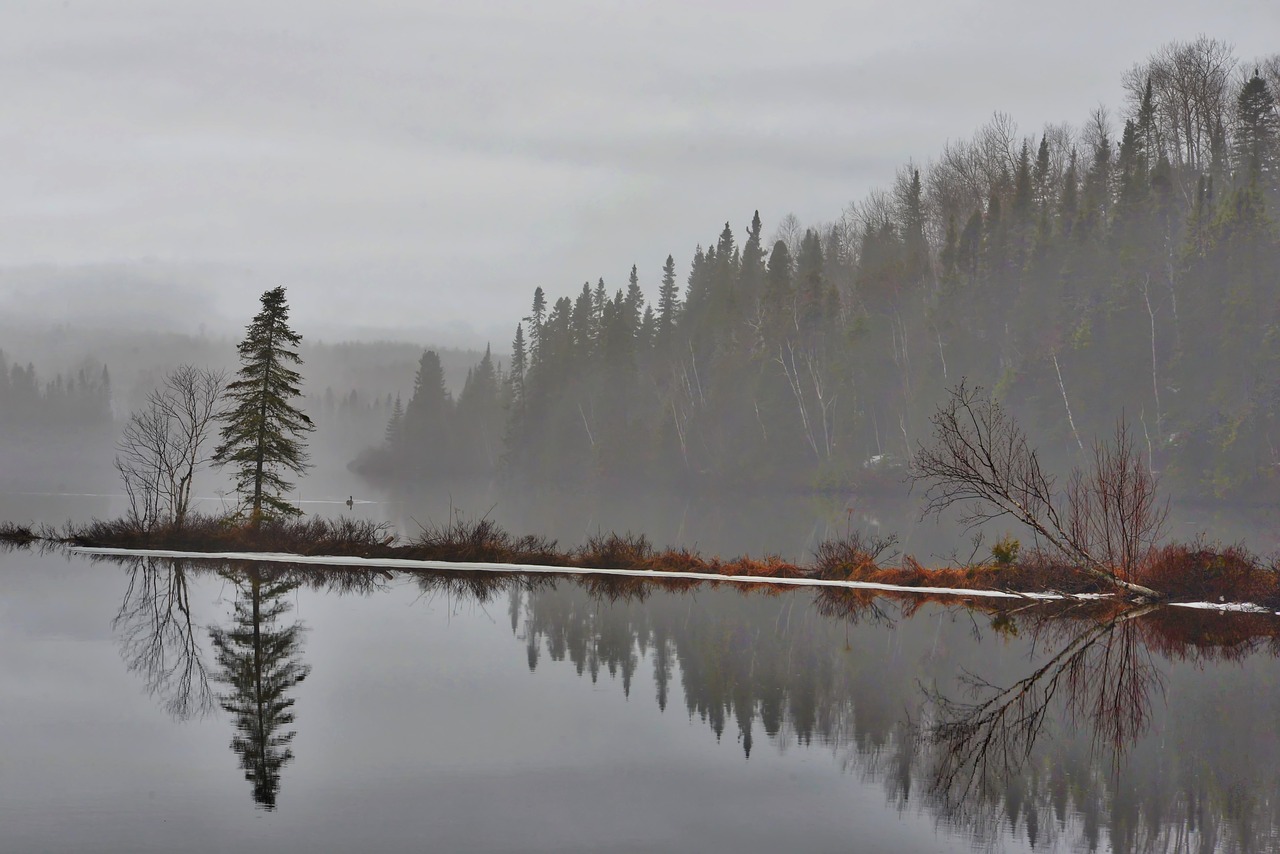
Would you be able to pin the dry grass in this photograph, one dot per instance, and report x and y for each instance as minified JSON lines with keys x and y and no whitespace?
{"x":1200,"y":572}
{"x":1190,"y":572}
{"x":337,"y":537}
{"x":480,"y":541}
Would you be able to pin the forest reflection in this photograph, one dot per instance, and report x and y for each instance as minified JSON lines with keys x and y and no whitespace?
{"x":1077,"y":724}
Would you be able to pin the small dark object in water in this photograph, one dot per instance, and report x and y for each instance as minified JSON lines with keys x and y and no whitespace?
{"x":350,"y":501}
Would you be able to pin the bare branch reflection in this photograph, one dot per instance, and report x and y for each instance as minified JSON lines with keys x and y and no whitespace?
{"x":158,"y":639}
{"x":1106,"y":676}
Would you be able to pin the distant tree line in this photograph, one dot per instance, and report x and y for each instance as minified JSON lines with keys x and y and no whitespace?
{"x":1125,"y":265}
{"x":82,"y":399}
{"x":434,"y":434}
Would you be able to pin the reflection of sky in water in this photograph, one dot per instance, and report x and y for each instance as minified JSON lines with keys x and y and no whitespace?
{"x":421,"y":723}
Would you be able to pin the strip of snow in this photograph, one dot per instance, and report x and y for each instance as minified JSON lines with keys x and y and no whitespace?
{"x":1242,"y":607}
{"x":403,"y":563}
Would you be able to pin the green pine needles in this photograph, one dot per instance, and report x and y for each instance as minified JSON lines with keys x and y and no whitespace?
{"x":262,"y":431}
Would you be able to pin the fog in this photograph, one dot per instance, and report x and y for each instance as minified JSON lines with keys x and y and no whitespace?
{"x":945,"y":191}
{"x":422,"y":166}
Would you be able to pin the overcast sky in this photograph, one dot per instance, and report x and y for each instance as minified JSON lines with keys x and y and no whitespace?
{"x":407,"y":164}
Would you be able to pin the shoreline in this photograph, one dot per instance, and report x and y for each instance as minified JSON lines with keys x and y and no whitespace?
{"x":385,"y":563}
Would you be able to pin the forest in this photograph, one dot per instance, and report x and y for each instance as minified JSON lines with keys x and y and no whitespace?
{"x":1126,"y":266}
{"x":79,"y":400}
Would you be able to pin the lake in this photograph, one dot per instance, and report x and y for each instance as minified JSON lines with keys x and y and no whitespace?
{"x":160,"y":705}
{"x":154,"y":705}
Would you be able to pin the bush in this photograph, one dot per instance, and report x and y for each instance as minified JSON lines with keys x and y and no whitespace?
{"x":614,"y":551}
{"x":850,"y":557}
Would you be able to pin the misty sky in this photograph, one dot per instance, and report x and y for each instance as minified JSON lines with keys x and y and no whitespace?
{"x":403,"y":164}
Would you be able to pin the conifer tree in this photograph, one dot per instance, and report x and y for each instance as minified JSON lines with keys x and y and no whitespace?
{"x":394,"y":424}
{"x":915,"y":245}
{"x":779,"y":293}
{"x":519,"y":365}
{"x":751,"y":274}
{"x":668,"y":300}
{"x":262,"y":431}
{"x":635,"y":300}
{"x":427,"y":418}
{"x":1257,"y":133}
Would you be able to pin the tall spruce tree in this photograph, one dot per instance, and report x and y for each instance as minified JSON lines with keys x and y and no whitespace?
{"x":262,"y":430}
{"x":668,"y":300}
{"x":1257,"y":133}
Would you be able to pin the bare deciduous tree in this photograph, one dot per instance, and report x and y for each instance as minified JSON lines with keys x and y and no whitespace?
{"x":1190,"y":84}
{"x":1113,"y":512}
{"x":981,"y":460}
{"x":163,"y":446}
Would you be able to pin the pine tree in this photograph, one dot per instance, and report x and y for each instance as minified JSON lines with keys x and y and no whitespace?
{"x":519,"y":365}
{"x":427,"y":418}
{"x":394,"y":424}
{"x":634,"y":301}
{"x":1069,"y":201}
{"x":478,"y":418}
{"x":262,"y":431}
{"x":915,"y":246}
{"x":751,"y":274}
{"x":1040,"y":176}
{"x":537,"y":317}
{"x":1257,"y":134}
{"x":811,"y":286}
{"x":779,"y":294}
{"x":668,"y":300}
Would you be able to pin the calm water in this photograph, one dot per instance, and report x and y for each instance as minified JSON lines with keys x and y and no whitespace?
{"x":160,"y":706}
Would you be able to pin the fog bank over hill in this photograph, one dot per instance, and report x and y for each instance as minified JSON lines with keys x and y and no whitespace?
{"x":414,"y":163}
{"x":213,"y":300}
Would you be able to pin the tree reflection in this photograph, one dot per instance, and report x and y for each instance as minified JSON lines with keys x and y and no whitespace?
{"x":1107,"y":677}
{"x":158,"y":639}
{"x":1045,"y":720}
{"x":1036,"y":737}
{"x":259,"y":662}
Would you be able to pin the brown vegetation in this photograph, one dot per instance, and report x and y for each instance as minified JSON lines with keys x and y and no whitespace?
{"x":1195,"y":572}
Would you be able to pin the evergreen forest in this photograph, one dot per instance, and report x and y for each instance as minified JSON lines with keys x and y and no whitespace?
{"x":1126,"y":266}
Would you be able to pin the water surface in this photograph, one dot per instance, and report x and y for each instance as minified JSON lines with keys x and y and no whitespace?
{"x":153,"y":705}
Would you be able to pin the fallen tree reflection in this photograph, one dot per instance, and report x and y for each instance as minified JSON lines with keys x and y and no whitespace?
{"x":1103,"y":668}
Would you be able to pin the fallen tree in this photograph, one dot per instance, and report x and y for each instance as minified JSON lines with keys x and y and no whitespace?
{"x":1108,"y":521}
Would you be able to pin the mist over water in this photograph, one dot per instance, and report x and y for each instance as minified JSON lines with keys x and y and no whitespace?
{"x":689,"y":272}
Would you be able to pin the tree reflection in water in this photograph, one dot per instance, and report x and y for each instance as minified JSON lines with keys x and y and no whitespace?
{"x":259,"y":661}
{"x":158,"y":639}
{"x":1072,"y":725}
{"x":1064,"y":755}
{"x":1105,"y":672}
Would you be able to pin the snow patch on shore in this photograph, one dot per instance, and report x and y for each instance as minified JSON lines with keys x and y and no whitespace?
{"x":536,"y":569}
{"x":1237,"y":607}
{"x":403,"y":563}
